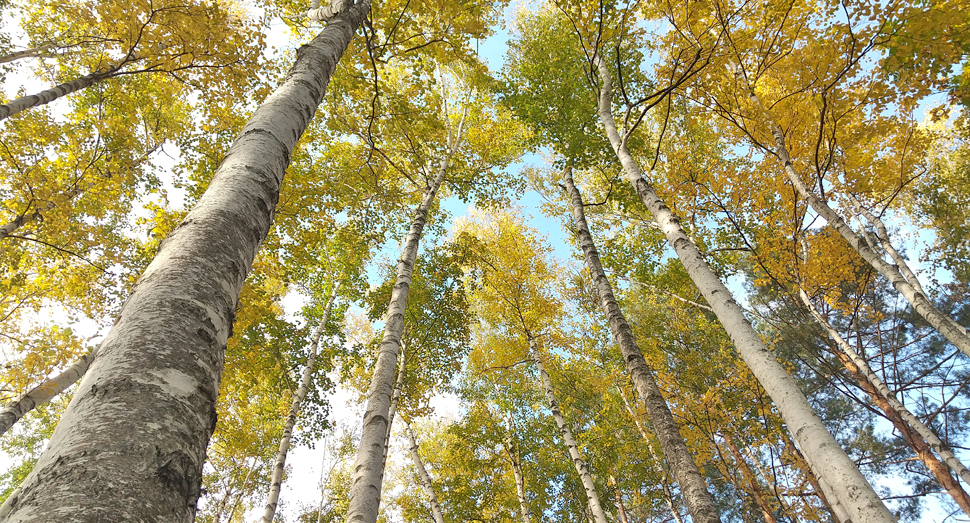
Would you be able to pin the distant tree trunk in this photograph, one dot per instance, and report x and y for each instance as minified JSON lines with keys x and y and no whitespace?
{"x":131,"y":445}
{"x":47,"y":96}
{"x":365,"y":491}
{"x":950,"y":329}
{"x":395,"y":400}
{"x":567,"y":435}
{"x":749,"y":477}
{"x":672,"y":444}
{"x":44,"y":392}
{"x":515,"y":459}
{"x":26,"y":53}
{"x":821,"y":450}
{"x":920,"y":437}
{"x":424,"y":476}
{"x":276,"y":481}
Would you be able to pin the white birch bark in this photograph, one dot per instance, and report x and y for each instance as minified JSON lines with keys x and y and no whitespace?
{"x":44,"y":392}
{"x":592,"y":497}
{"x":365,"y":491}
{"x":49,"y":95}
{"x":25,"y":53}
{"x":131,"y":445}
{"x":515,"y":460}
{"x":820,"y":449}
{"x":950,"y":329}
{"x":423,"y":475}
{"x":395,"y":400}
{"x":883,"y":236}
{"x":279,"y":466}
{"x":692,"y":485}
{"x":889,"y":397}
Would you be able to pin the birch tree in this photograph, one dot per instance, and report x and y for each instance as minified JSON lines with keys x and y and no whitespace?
{"x":176,"y":307}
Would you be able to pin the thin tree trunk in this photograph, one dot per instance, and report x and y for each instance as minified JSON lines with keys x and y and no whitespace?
{"x":822,"y":452}
{"x":749,"y":477}
{"x":365,"y":491}
{"x":131,"y":445}
{"x":423,"y":475}
{"x":515,"y":459}
{"x":395,"y":400}
{"x":276,"y":481}
{"x":668,"y":495}
{"x":44,"y":392}
{"x":26,"y":53}
{"x":692,"y":485}
{"x":920,"y":437}
{"x":620,"y":507}
{"x":884,"y":241}
{"x":950,"y":329}
{"x":47,"y":96}
{"x":591,"y":496}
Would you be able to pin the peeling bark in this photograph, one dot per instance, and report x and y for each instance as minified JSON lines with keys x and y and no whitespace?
{"x":592,"y":497}
{"x":692,"y":485}
{"x":44,"y":392}
{"x":276,"y":481}
{"x":131,"y":445}
{"x":423,"y":475}
{"x":821,"y":451}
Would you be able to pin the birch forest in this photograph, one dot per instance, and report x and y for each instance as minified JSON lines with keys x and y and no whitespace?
{"x":485,"y":261}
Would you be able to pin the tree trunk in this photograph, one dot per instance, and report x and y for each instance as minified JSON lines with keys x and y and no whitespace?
{"x":662,"y":474}
{"x":26,"y":53}
{"x":515,"y":459}
{"x":834,"y":509}
{"x":131,"y":445}
{"x":47,"y":96}
{"x":950,"y":329}
{"x":424,"y":476}
{"x":276,"y":482}
{"x":591,"y":496}
{"x":748,"y":475}
{"x":821,"y":451}
{"x":395,"y":400}
{"x":365,"y":491}
{"x":672,"y":444}
{"x":920,"y":437}
{"x":44,"y":392}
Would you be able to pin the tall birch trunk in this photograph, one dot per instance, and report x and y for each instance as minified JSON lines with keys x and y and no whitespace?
{"x":131,"y":445}
{"x":821,"y":451}
{"x":567,"y":435}
{"x":945,"y":325}
{"x":692,"y":485}
{"x":661,"y":473}
{"x":920,"y":437}
{"x":49,"y":95}
{"x":279,"y":466}
{"x":423,"y":475}
{"x":395,"y":400}
{"x":44,"y":392}
{"x":516,"y":461}
{"x":365,"y":492}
